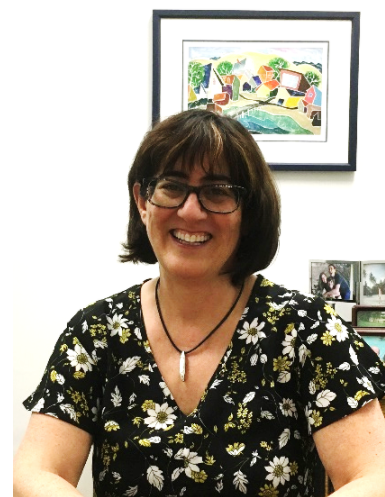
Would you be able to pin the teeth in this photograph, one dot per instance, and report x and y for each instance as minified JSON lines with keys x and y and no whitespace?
{"x":191,"y":238}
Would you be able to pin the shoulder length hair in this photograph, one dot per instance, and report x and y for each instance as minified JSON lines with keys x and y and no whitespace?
{"x":203,"y":137}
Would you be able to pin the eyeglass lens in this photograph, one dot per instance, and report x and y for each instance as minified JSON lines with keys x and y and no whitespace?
{"x":216,"y":197}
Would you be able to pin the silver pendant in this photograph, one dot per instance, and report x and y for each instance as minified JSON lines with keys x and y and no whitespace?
{"x":182,"y":365}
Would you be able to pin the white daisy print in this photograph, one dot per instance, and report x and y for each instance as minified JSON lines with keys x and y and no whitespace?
{"x":160,"y":417}
{"x":288,"y":408}
{"x":190,"y":461}
{"x":80,"y":359}
{"x":337,"y":329}
{"x":252,"y":332}
{"x":116,"y":324}
{"x":279,"y":471}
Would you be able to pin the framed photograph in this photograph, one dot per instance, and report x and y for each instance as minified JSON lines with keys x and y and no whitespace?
{"x":375,"y":337}
{"x":368,"y":316}
{"x":291,"y":78}
{"x":335,"y":280}
{"x":372,"y":283}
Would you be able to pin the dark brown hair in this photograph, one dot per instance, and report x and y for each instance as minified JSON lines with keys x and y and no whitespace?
{"x":197,"y":137}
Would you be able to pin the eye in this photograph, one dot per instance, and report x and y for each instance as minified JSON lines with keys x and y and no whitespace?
{"x":170,"y":188}
{"x":218,"y":191}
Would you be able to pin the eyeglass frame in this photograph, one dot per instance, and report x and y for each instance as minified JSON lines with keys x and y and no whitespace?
{"x":241,"y":193}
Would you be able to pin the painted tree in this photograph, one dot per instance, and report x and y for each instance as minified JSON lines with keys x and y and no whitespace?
{"x":196,"y":74}
{"x":225,"y":68}
{"x":313,"y":78}
{"x":277,"y":64}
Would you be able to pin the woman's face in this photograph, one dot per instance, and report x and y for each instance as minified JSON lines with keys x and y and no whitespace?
{"x":190,"y":242}
{"x":323,"y":278}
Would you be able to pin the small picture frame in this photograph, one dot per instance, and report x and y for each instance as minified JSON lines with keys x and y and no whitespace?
{"x":375,"y":337}
{"x":368,"y":316}
{"x":335,"y":280}
{"x":372,"y":291}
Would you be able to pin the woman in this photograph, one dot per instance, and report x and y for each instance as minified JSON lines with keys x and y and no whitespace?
{"x":209,"y":379}
{"x":322,"y":284}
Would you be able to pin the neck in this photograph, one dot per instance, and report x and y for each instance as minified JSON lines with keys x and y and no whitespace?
{"x":183,"y":297}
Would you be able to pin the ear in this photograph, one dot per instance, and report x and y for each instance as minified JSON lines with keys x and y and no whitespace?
{"x":141,"y":202}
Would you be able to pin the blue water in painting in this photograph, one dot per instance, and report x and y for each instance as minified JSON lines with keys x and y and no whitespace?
{"x":254,"y":125}
{"x":260,"y":122}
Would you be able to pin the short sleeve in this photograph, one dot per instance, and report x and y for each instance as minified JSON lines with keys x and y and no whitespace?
{"x":71,"y":386}
{"x":338,"y":371}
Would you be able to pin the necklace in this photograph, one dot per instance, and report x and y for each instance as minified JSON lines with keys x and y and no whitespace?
{"x":183,"y":353}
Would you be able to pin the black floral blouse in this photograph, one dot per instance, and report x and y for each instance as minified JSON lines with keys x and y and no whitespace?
{"x":293,"y":367}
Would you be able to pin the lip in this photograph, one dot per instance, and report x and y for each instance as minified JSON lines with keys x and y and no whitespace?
{"x":191,"y":238}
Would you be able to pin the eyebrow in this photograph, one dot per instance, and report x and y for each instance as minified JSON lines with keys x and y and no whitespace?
{"x":207,"y":177}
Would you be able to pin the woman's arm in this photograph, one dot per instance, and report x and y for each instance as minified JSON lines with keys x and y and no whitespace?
{"x":352,"y":451}
{"x":50,"y":459}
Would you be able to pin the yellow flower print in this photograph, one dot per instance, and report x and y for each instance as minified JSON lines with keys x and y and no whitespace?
{"x":316,"y":415}
{"x":329,"y":310}
{"x":327,"y":338}
{"x":360,"y":394}
{"x":268,"y":491}
{"x":76,"y":397}
{"x":266,"y":282}
{"x":179,"y":438}
{"x":79,"y":375}
{"x":111,"y":426}
{"x":145,"y":442}
{"x":289,"y":328}
{"x":197,"y":429}
{"x":209,"y":460}
{"x":293,"y":468}
{"x":125,"y":335}
{"x":136,"y":421}
{"x":53,"y":376}
{"x":236,"y":374}
{"x":236,"y":449}
{"x":148,"y":404}
{"x":199,"y":477}
{"x":281,"y":364}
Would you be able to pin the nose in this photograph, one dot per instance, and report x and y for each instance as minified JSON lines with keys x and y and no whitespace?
{"x":192,"y":209}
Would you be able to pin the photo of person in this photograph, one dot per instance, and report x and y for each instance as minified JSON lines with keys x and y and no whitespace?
{"x":373,"y":282}
{"x":339,"y":288}
{"x":334,"y":280}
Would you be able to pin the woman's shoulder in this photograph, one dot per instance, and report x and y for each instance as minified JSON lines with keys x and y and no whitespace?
{"x":123,"y":301}
{"x":267,"y":289}
{"x":288,"y":302}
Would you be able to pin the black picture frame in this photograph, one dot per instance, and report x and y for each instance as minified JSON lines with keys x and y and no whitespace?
{"x":346,"y":161}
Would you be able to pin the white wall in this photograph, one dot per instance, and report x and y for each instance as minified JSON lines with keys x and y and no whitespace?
{"x":74,"y":119}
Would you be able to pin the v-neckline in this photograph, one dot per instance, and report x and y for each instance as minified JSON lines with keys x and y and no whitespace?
{"x":224,"y":359}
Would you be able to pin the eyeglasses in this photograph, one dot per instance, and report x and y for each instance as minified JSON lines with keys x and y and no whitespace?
{"x":217,"y":198}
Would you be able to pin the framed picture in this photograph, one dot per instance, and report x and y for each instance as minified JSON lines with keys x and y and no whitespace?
{"x":375,"y":337}
{"x":372,"y":283}
{"x":288,"y":77}
{"x":368,"y":316}
{"x":335,"y":280}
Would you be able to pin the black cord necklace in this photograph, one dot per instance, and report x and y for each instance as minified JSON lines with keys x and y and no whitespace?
{"x":183,"y":353}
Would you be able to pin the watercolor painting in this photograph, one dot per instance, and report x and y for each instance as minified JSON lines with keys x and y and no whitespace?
{"x":273,"y":89}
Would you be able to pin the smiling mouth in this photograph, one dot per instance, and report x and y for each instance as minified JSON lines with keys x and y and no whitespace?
{"x":191,"y":238}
